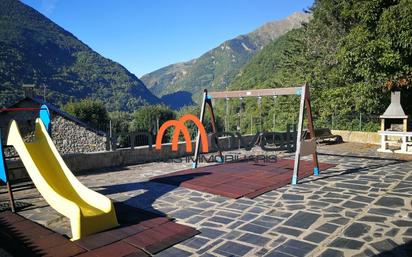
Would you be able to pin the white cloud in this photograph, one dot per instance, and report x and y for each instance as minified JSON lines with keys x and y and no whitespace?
{"x":47,"y":6}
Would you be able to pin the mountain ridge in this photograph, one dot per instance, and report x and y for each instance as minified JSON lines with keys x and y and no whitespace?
{"x":216,"y":68}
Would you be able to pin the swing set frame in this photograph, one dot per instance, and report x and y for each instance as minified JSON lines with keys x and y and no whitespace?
{"x":303,"y":146}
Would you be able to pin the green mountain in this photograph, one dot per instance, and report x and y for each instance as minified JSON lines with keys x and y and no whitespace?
{"x":272,"y":67}
{"x":219,"y":66}
{"x":34,"y":50}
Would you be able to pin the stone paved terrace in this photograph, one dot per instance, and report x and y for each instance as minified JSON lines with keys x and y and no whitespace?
{"x":362,"y":207}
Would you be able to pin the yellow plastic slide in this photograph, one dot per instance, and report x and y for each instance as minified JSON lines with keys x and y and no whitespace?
{"x":89,"y":212}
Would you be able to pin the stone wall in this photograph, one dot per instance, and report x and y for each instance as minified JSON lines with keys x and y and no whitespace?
{"x":82,"y":162}
{"x":358,"y":136}
{"x":25,"y":119}
{"x":69,"y":137}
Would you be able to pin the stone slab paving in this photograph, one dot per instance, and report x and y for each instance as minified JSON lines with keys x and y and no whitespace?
{"x":362,"y":207}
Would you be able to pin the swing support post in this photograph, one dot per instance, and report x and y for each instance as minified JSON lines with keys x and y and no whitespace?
{"x":206,"y":101}
{"x":309,"y":145}
{"x":4,"y":176}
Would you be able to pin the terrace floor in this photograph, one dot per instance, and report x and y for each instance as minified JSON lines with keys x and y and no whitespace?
{"x":361,"y":207}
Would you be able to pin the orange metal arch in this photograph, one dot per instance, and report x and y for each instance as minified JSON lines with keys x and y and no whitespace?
{"x":180,"y":127}
{"x":202,"y":130}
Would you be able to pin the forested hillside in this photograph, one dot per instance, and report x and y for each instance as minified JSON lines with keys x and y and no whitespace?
{"x":35,"y":50}
{"x":352,"y":53}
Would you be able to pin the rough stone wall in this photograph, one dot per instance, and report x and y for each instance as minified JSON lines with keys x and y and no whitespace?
{"x":25,"y":119}
{"x":69,"y":137}
{"x":358,"y":136}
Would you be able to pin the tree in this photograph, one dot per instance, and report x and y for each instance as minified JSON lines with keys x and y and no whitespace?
{"x":351,"y":53}
{"x":195,"y":110}
{"x":120,"y":126}
{"x":92,"y":112}
{"x":146,"y":118}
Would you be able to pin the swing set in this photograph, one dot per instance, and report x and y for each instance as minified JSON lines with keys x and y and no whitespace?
{"x":303,"y":146}
{"x":239,"y":114}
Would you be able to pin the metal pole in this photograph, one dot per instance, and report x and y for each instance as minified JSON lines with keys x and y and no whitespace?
{"x":311,"y":130}
{"x":274,"y":122}
{"x":240,"y":114}
{"x":5,"y":178}
{"x":213,"y":123}
{"x":227,"y":115}
{"x":274,"y":113}
{"x":11,"y":198}
{"x":260,"y":112}
{"x":360,"y":121}
{"x":110,"y":135}
{"x":288,"y":138}
{"x":299,"y":136}
{"x":251,"y":124}
{"x":201,"y":118}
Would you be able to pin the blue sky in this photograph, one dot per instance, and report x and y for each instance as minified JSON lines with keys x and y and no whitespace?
{"x":145,"y":35}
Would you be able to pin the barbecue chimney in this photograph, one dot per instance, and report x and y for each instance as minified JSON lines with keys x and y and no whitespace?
{"x":394,"y":118}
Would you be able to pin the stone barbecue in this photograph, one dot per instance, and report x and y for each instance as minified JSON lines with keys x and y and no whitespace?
{"x":394,"y":118}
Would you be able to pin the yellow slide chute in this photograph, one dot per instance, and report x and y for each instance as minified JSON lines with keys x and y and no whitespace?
{"x":89,"y":212}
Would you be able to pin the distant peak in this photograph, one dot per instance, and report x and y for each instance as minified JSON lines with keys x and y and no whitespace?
{"x":273,"y":29}
{"x":298,"y":15}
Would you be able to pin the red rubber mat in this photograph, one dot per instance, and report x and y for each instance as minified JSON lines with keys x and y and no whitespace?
{"x":239,"y":179}
{"x":141,"y":234}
